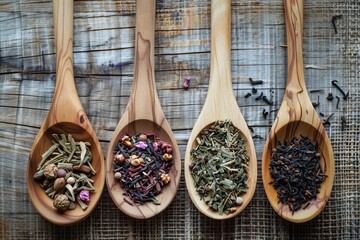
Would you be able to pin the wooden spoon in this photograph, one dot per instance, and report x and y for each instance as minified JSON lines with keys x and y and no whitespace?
{"x":297,"y":117}
{"x":143,"y":114}
{"x":66,"y":115}
{"x":220,"y":104}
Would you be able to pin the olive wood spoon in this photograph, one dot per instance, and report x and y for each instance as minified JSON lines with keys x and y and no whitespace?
{"x":296,"y":117}
{"x":143,"y":114}
{"x":67,"y":116}
{"x":220,"y":104}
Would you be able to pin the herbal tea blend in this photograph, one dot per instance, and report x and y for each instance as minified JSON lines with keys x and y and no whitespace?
{"x":142,"y":164}
{"x":65,"y":171}
{"x":219,"y":167}
{"x":296,"y":172}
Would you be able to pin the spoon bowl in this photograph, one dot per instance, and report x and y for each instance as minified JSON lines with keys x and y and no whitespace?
{"x":39,"y":198}
{"x":144,"y":114}
{"x":67,"y":116}
{"x":220,"y":104}
{"x":297,"y":117}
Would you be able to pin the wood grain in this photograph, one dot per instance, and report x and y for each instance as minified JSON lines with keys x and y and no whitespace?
{"x":220,"y":104}
{"x":103,"y":61}
{"x":143,"y":114}
{"x":66,"y":115}
{"x":297,"y":117}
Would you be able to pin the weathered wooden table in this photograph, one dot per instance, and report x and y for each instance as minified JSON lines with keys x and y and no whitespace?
{"x":103,"y":64}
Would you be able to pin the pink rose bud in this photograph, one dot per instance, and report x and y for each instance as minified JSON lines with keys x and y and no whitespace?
{"x":160,"y":143}
{"x":169,"y":149}
{"x":155,"y":146}
{"x":85,"y":195}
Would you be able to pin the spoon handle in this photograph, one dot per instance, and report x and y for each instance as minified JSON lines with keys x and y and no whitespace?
{"x":220,"y":71}
{"x":294,"y":12}
{"x":144,"y":95}
{"x":66,"y":106}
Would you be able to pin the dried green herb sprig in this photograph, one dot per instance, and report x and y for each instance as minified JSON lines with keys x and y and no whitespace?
{"x":65,"y":171}
{"x":219,"y":167}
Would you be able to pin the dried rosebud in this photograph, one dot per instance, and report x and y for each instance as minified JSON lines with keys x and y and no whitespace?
{"x":61,"y":202}
{"x":160,"y":143}
{"x":50,"y":171}
{"x":85,"y":195}
{"x":155,"y":146}
{"x":233,"y":209}
{"x":186,"y":83}
{"x":59,"y":184}
{"x":61,"y":173}
{"x":141,"y":145}
{"x":168,"y":149}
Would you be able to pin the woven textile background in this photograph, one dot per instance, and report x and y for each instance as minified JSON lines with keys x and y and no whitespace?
{"x":103,"y":63}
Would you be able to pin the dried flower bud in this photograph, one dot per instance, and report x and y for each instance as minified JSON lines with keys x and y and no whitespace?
{"x":142,"y":137}
{"x":59,"y":184}
{"x":165,"y":178}
{"x":120,"y":158}
{"x":168,"y":149}
{"x":167,"y":157}
{"x":85,"y":195}
{"x":155,"y":146}
{"x":50,"y":171}
{"x":186,"y":83}
{"x":61,"y":173}
{"x":61,"y":202}
{"x":233,"y":209}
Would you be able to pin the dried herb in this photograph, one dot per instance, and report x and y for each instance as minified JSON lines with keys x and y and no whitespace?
{"x":141,"y":165}
{"x":296,"y":172}
{"x":345,"y":95}
{"x":219,"y":167}
{"x":65,"y":170}
{"x":255,"y":82}
{"x":247,"y":95}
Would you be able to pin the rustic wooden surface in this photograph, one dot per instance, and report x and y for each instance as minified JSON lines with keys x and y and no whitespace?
{"x":103,"y":69}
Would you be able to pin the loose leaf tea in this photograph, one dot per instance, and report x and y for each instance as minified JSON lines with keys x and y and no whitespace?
{"x":65,"y":171}
{"x":219,"y":167}
{"x":142,"y":164}
{"x":296,"y":172}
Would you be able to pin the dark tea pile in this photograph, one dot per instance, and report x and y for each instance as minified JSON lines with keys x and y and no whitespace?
{"x":65,"y":173}
{"x":141,"y":165}
{"x":219,"y":167}
{"x":296,"y":172}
